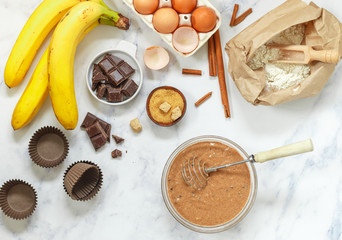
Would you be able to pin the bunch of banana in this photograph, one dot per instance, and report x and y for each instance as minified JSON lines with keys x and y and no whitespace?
{"x":80,"y":17}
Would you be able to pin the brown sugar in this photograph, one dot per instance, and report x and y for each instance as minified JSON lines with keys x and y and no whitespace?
{"x":161,"y":96}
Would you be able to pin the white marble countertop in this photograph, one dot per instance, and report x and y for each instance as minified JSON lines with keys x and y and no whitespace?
{"x":298,"y":198}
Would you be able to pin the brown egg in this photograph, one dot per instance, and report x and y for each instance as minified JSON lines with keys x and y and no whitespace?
{"x":203,"y":19}
{"x":165,"y":20}
{"x":184,"y":6}
{"x":145,"y":6}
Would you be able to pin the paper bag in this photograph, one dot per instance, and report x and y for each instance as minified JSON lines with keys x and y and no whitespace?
{"x":323,"y":31}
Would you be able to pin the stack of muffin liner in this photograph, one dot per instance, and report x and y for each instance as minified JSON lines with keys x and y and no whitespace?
{"x":18,"y":199}
{"x":48,"y":147}
{"x":82,"y":180}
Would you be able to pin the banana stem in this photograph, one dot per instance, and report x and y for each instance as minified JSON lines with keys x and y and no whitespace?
{"x":120,"y":21}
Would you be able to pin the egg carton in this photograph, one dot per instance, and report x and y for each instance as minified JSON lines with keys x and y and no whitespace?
{"x":184,"y":20}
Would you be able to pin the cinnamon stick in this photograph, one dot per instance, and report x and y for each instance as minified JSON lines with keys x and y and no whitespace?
{"x":202,"y":99}
{"x":232,"y":20}
{"x":242,"y":17}
{"x":221,"y":74}
{"x":211,"y":57}
{"x":191,"y":71}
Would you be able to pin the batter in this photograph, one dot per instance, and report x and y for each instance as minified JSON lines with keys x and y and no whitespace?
{"x":227,"y":190}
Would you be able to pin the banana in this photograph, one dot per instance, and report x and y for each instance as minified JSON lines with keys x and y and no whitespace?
{"x":38,"y":26}
{"x":61,"y":58}
{"x":36,"y":90}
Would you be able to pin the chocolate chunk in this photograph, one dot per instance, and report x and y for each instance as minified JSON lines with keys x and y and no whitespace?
{"x":98,"y":141}
{"x":94,"y":85}
{"x":94,"y":129}
{"x":116,"y":153}
{"x":97,"y":129}
{"x":99,"y":77}
{"x":106,"y":65}
{"x":96,"y":69}
{"x":88,"y":120}
{"x":129,"y":88}
{"x":96,"y":135}
{"x":115,"y":77}
{"x":126,"y":70}
{"x":115,"y":60}
{"x":101,"y":90}
{"x":114,"y":95}
{"x":118,"y":139}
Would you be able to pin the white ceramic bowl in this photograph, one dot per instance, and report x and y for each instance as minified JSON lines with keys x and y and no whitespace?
{"x":125,"y":51}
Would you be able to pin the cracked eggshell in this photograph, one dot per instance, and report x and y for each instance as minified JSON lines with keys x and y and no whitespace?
{"x":185,"y":39}
{"x":156,"y":57}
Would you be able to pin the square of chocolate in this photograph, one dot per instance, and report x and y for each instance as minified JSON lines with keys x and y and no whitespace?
{"x":115,"y":77}
{"x":88,"y":120}
{"x":98,"y":141}
{"x":114,"y":95}
{"x":94,"y":129}
{"x":129,"y":88}
{"x":101,"y":90}
{"x":106,"y":65}
{"x":114,"y":59}
{"x":126,"y":70}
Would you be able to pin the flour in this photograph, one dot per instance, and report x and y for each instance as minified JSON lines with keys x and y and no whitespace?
{"x":284,"y":75}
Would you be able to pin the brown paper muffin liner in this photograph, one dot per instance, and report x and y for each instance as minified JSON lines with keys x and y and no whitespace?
{"x":82,"y":180}
{"x":18,"y":199}
{"x":48,"y":147}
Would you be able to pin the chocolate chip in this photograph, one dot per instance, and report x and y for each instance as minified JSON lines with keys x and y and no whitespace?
{"x":116,"y":153}
{"x":118,"y":139}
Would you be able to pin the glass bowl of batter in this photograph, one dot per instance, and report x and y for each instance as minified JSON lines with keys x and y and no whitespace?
{"x":228,"y":195}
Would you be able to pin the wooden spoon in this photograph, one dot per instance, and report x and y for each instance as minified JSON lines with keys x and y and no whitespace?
{"x":303,"y":54}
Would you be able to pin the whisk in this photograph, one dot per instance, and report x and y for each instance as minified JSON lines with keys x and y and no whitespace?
{"x":196,"y":175}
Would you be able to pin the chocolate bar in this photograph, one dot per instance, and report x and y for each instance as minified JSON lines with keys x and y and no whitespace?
{"x":129,"y":88}
{"x":95,"y":127}
{"x":97,"y":135}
